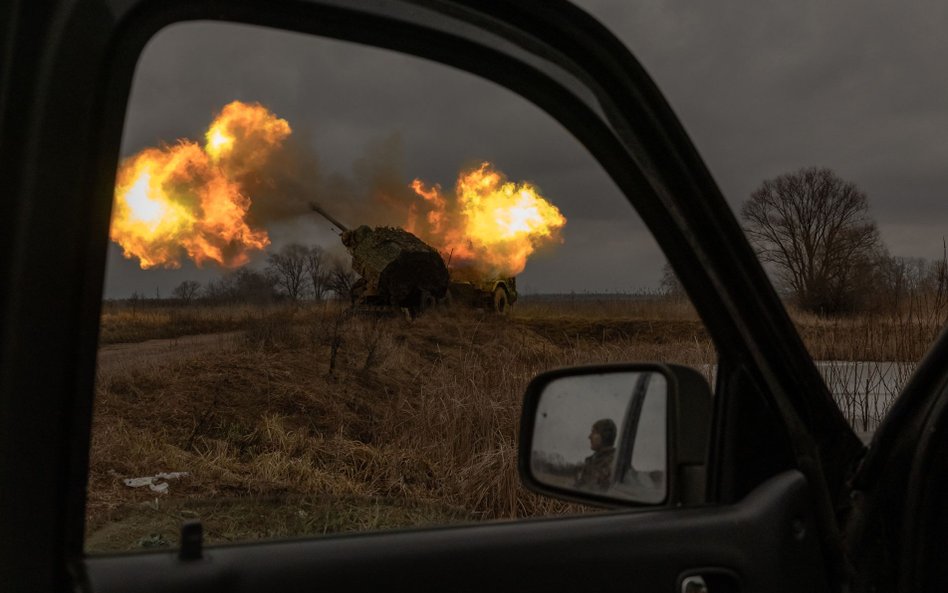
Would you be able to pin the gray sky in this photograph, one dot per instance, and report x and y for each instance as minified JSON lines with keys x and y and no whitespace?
{"x":763,"y":88}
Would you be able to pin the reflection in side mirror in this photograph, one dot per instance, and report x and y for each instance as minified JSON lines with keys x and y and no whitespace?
{"x":604,"y":434}
{"x":633,"y":434}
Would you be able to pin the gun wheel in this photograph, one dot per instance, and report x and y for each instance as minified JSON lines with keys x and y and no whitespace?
{"x":501,"y":301}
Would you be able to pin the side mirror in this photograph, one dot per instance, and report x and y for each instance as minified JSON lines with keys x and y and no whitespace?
{"x":617,"y":435}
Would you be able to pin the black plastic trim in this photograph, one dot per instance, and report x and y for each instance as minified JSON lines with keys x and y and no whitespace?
{"x":767,"y":541}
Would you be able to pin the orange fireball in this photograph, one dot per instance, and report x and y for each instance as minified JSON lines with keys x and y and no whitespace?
{"x":183,"y":200}
{"x":492,"y":227}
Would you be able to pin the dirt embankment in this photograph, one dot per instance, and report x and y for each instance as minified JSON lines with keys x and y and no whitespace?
{"x":315,"y":421}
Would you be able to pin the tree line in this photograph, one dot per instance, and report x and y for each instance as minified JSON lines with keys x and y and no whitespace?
{"x":814,"y":233}
{"x":296,"y":272}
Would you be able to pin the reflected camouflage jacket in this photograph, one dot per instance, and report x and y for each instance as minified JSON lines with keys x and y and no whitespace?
{"x":596,"y":471}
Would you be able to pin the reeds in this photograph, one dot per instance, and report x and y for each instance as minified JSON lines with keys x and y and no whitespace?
{"x":867,"y":358}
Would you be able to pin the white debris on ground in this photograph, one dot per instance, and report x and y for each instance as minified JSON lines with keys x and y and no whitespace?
{"x":157,"y":483}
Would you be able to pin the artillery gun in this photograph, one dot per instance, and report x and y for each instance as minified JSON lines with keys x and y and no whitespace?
{"x":494,"y":294}
{"x":395,"y":268}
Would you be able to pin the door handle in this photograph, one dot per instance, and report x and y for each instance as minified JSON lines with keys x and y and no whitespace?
{"x":693,"y":584}
{"x":710,"y":580}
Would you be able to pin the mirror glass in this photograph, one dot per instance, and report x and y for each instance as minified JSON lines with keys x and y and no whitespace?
{"x":603,"y":434}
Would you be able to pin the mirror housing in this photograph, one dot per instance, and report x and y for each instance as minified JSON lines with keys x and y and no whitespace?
{"x":563,"y":392}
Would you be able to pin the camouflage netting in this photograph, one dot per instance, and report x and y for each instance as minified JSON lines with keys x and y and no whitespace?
{"x":396,"y":265}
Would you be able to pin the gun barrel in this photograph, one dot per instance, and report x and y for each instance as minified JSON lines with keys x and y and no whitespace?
{"x":316,"y":208}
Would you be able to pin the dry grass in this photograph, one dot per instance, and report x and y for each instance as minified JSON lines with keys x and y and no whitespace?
{"x":598,"y":307}
{"x":887,"y":344}
{"x":324,"y":422}
{"x":125,"y":323}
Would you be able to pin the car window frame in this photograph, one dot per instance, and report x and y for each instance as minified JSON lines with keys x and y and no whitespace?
{"x":667,"y":183}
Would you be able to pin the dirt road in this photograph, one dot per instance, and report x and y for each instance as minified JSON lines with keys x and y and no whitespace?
{"x":117,"y":358}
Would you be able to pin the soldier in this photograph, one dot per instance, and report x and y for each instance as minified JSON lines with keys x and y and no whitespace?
{"x":596,"y":472}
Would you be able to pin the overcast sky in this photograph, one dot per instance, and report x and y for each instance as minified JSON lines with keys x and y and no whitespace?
{"x":763,"y":88}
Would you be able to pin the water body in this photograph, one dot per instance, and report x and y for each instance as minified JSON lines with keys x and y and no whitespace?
{"x":864,"y":390}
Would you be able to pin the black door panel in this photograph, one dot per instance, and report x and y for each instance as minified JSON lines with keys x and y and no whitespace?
{"x":767,"y":542}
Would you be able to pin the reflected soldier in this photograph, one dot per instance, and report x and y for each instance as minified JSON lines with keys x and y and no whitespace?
{"x":596,"y":472}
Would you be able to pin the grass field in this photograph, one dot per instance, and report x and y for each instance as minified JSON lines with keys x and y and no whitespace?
{"x":311,"y":420}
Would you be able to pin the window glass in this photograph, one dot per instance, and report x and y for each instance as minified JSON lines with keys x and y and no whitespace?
{"x":828,"y":141}
{"x":275,"y":372}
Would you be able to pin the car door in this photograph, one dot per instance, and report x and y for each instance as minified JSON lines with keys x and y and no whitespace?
{"x":780,"y":451}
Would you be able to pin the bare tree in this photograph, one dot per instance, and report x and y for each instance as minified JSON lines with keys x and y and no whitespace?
{"x":186,"y":291}
{"x":253,"y":286}
{"x":816,"y":230}
{"x":288,"y":266}
{"x":341,"y":279}
{"x":318,"y":271}
{"x":243,"y":285}
{"x":904,"y":277}
{"x":913,"y":280}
